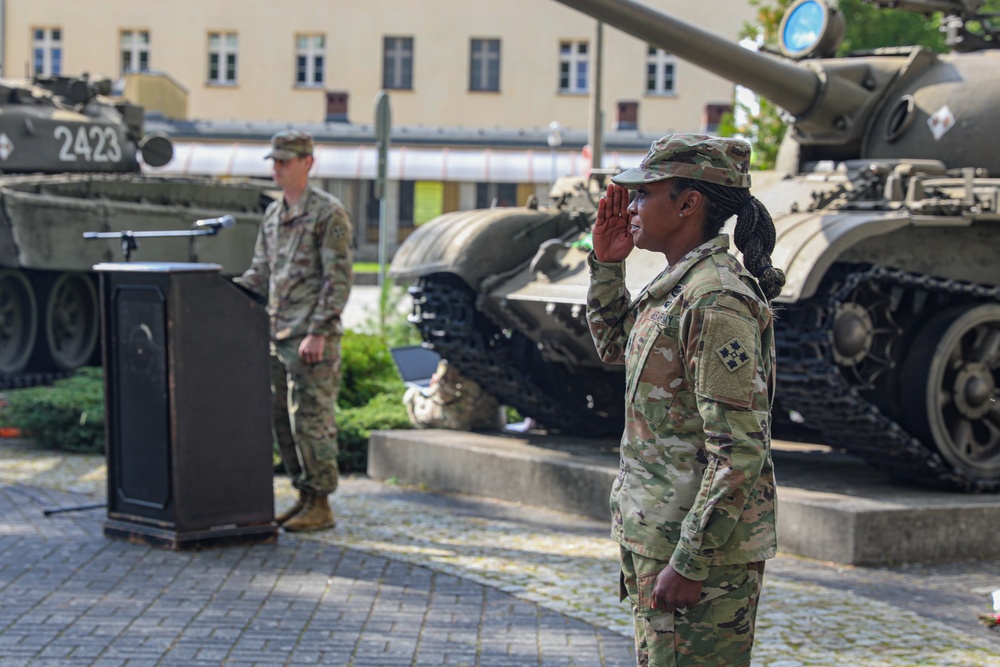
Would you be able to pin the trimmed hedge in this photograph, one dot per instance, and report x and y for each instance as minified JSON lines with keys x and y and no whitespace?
{"x":384,"y":412}
{"x":69,"y":415}
{"x":371,"y":398}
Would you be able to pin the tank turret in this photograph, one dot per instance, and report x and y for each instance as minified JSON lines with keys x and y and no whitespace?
{"x":67,"y":124}
{"x":893,"y":103}
{"x":887,"y":220}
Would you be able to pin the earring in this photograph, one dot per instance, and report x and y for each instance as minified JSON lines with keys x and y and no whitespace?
{"x":680,"y":215}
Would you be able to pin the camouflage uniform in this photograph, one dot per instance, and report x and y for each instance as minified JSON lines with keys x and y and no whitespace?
{"x":696,"y":484}
{"x":302,"y":265}
{"x":453,"y":402}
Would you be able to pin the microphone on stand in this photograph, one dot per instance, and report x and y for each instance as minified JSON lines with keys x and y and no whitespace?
{"x":224,"y":222}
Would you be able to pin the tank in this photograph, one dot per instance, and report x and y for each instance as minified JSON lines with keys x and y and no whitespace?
{"x":70,"y":163}
{"x":888,"y":224}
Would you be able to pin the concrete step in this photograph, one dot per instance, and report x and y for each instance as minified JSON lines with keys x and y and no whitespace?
{"x":832,"y":507}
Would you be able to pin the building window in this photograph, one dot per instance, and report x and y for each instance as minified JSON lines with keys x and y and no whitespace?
{"x":660,"y":72}
{"x":47,"y":51}
{"x":574,"y":63}
{"x":493,"y":195}
{"x":310,"y":59}
{"x":484,"y":65}
{"x":406,"y":201}
{"x":397,"y":65}
{"x":222,"y":50}
{"x":135,"y":50}
{"x":372,"y":214}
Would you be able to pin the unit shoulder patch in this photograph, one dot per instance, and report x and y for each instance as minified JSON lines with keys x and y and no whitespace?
{"x":733,"y":355}
{"x":728,"y":358}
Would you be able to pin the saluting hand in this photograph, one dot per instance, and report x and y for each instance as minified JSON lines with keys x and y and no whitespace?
{"x":612,"y":237}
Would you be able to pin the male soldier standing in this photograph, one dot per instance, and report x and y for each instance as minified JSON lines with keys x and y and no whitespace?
{"x":694,"y":505}
{"x":302,"y":266}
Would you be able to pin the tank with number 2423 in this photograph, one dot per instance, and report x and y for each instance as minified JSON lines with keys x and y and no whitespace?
{"x":70,"y":163}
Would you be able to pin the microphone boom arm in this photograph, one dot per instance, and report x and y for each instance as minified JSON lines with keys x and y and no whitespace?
{"x":208,"y":227}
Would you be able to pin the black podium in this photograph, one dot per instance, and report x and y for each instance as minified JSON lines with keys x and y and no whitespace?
{"x":188,"y":407}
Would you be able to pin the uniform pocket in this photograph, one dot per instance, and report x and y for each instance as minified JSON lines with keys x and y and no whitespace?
{"x":659,"y":373}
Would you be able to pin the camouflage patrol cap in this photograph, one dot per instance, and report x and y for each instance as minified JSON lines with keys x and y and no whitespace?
{"x":288,"y":144}
{"x":697,"y":156}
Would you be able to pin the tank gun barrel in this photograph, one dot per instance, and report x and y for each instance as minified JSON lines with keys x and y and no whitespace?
{"x":791,"y":87}
{"x":824,"y":104}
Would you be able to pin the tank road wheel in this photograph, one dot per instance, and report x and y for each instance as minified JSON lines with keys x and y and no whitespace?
{"x":951,"y":389}
{"x":18,"y":321}
{"x":70,"y":322}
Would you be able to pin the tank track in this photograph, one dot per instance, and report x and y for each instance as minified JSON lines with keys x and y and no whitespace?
{"x":811,"y":383}
{"x":444,"y":310}
{"x":24,"y":380}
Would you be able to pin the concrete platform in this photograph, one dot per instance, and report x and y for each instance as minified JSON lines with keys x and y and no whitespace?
{"x":832,"y":506}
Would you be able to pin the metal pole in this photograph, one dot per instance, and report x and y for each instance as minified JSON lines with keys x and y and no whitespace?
{"x":383,"y":123}
{"x":555,"y":141}
{"x":597,"y":116}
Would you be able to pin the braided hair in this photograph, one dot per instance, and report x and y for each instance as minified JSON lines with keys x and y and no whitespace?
{"x":754,"y":234}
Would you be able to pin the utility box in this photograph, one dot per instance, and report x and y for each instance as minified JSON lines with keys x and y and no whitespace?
{"x":188,"y":407}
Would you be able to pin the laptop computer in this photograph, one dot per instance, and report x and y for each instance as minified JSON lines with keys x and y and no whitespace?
{"x":416,"y":364}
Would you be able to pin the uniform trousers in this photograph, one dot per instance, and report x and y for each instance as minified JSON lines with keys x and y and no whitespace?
{"x":305,"y":425}
{"x":716,"y":632}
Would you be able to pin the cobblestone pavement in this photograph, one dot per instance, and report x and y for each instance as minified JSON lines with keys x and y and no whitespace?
{"x":415,"y":578}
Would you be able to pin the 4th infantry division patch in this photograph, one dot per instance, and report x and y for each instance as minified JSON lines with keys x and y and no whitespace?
{"x":733,"y":355}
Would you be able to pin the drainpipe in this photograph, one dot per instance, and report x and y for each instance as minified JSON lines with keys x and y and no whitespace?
{"x":3,"y":35}
{"x":597,"y":114}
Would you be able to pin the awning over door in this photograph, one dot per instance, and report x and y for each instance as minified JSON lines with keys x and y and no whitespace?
{"x":359,"y":162}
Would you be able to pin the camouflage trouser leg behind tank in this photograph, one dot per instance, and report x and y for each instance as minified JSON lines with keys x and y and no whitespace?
{"x":305,"y":426}
{"x":717,"y":631}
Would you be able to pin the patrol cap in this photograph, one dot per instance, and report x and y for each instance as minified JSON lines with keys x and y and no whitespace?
{"x":289,"y":144}
{"x":697,"y":156}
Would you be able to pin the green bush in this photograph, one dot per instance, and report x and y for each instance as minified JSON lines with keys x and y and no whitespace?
{"x":367,"y":370}
{"x":68,"y":415}
{"x":371,"y":394}
{"x":383,"y":412}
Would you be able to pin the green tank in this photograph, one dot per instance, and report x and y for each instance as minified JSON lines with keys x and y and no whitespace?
{"x":888,"y":227}
{"x":69,"y":165}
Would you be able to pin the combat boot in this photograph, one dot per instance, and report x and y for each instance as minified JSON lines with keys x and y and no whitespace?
{"x":299,"y":505}
{"x":316,"y":515}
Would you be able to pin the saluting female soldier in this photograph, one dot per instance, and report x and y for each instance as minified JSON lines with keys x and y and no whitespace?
{"x":694,"y":503}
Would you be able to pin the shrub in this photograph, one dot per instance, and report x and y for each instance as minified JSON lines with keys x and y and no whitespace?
{"x":68,"y":415}
{"x":367,"y":370}
{"x":371,"y":397}
{"x":385,"y":411}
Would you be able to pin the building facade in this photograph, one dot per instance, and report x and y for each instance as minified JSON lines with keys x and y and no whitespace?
{"x":469,"y":81}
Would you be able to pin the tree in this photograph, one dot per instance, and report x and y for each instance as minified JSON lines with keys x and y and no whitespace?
{"x":762,"y":126}
{"x":869,"y":27}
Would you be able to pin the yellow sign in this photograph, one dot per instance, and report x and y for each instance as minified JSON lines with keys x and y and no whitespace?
{"x":428,"y":201}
